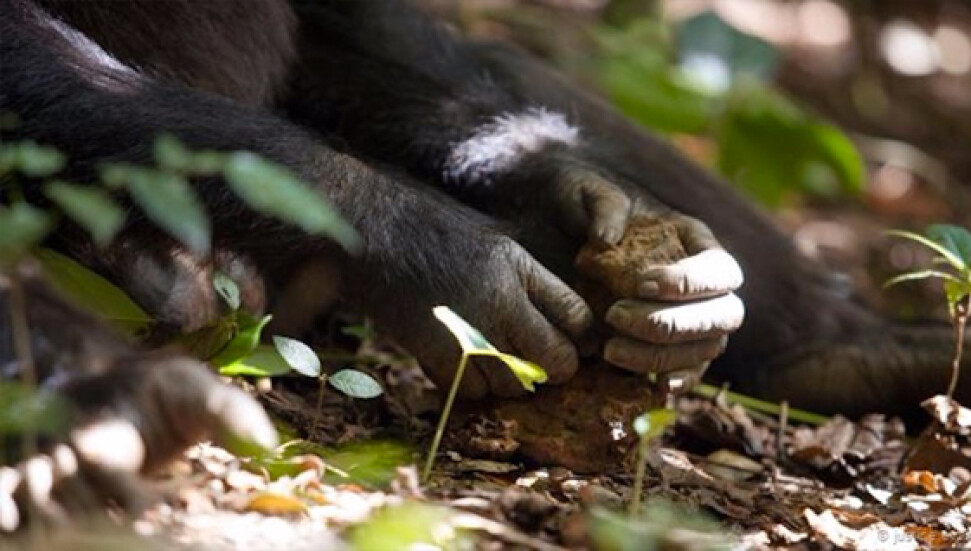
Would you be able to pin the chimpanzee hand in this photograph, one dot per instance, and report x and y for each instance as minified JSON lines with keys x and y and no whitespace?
{"x":681,"y":315}
{"x":130,"y":419}
{"x":492,"y":282}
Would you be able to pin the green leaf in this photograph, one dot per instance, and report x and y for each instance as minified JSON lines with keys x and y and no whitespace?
{"x":171,"y":155}
{"x":948,"y":256}
{"x":527,"y":372}
{"x":25,"y":410}
{"x":469,"y":338}
{"x":264,"y":361}
{"x":473,"y":343}
{"x":94,"y":293}
{"x":706,"y":40}
{"x":22,"y":227}
{"x":955,"y":239}
{"x":227,"y":289}
{"x":369,"y":463}
{"x":355,"y":384}
{"x":771,"y":149}
{"x":244,"y":343}
{"x":273,"y":190}
{"x":650,"y":425}
{"x":918,"y":275}
{"x":412,"y":525}
{"x":169,"y":201}
{"x":301,"y":357}
{"x":655,"y":96}
{"x":91,"y":207}
{"x":36,"y":161}
{"x":956,"y":291}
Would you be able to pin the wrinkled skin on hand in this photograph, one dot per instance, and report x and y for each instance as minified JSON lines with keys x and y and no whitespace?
{"x":498,"y":287}
{"x":678,"y":316}
{"x":130,"y":413}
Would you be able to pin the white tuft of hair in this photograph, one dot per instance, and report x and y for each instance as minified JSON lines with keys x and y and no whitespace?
{"x":497,"y":146}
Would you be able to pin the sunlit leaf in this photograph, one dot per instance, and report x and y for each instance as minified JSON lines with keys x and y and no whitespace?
{"x":527,"y":372}
{"x":955,"y":239}
{"x":650,"y":425}
{"x":951,"y":258}
{"x":170,"y":202}
{"x":21,"y":228}
{"x":275,"y":191}
{"x":413,"y":525}
{"x":91,"y":207}
{"x":474,"y":343}
{"x":227,"y":289}
{"x":469,"y":338}
{"x":369,"y":463}
{"x":919,"y":275}
{"x":355,"y":384}
{"x":264,"y":361}
{"x":956,"y":291}
{"x":94,"y":293}
{"x":244,"y":343}
{"x":301,"y":357}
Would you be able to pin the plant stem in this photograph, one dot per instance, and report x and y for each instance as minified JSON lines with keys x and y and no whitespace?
{"x":20,"y":329}
{"x":961,"y":312}
{"x":446,"y":411}
{"x":635,"y":501}
{"x":802,"y":416}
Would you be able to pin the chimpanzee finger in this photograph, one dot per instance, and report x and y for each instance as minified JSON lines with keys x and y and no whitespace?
{"x":679,"y":382}
{"x":502,"y":382}
{"x":643,"y":357}
{"x":592,"y":205}
{"x":608,"y":209}
{"x":668,"y":323}
{"x":707,"y":274}
{"x":560,"y":304}
{"x":541,"y":343}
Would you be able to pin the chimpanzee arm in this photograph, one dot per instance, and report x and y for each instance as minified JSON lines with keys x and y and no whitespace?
{"x":420,"y":249}
{"x":404,"y":89}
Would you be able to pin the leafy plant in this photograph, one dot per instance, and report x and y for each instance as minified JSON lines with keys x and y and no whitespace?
{"x":473,"y":343}
{"x":952,"y":245}
{"x":162,"y":192}
{"x":713,"y":81}
{"x":242,"y":354}
{"x":648,"y":426}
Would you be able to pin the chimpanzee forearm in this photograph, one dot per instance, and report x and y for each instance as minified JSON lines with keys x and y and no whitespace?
{"x":420,"y":248}
{"x":401,"y":87}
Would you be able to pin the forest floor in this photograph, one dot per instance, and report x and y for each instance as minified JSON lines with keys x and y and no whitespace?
{"x":722,"y":476}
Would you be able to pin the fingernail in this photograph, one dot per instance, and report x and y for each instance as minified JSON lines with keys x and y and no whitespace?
{"x":649,"y":288}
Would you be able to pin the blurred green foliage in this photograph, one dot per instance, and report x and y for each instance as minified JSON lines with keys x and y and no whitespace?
{"x":705,"y":78}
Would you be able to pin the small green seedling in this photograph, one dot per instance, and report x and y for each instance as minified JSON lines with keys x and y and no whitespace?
{"x":242,"y":353}
{"x":473,"y":343}
{"x":953,"y":267}
{"x":648,"y":426}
